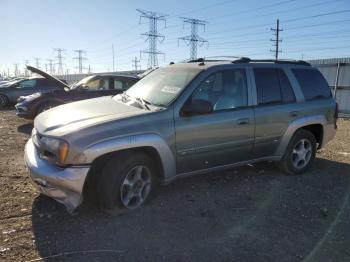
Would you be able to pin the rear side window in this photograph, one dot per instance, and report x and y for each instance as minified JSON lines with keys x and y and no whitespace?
{"x":286,"y":88}
{"x":273,"y":86}
{"x":312,"y":83}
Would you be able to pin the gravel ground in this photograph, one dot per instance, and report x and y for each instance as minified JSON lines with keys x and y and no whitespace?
{"x":253,"y":213}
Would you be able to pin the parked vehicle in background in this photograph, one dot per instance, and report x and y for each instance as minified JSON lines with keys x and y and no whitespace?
{"x":181,"y":120}
{"x":89,"y":87}
{"x":11,"y":91}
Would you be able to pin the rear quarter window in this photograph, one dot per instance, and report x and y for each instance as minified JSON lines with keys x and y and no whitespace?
{"x":312,"y":83}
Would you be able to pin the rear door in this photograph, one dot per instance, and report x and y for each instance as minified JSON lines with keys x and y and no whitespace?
{"x":222,"y":137}
{"x":276,"y":108}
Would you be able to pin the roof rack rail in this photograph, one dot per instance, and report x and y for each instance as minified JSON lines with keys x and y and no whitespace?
{"x":283,"y":61}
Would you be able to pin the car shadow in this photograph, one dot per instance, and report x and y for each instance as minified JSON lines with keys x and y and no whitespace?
{"x":250,"y":213}
{"x":7,"y":108}
{"x":25,"y":128}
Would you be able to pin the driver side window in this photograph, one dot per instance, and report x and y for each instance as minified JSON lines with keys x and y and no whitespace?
{"x":27,"y":83}
{"x":225,"y":89}
{"x":97,"y":84}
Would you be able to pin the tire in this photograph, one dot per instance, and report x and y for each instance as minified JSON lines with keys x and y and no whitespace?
{"x":126,"y":183}
{"x":300,"y":153}
{"x":3,"y":101}
{"x":45,"y":106}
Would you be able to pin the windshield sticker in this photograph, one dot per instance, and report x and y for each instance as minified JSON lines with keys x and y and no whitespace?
{"x":171,"y":89}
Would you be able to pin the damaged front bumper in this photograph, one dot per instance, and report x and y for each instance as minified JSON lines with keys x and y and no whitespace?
{"x":65,"y":185}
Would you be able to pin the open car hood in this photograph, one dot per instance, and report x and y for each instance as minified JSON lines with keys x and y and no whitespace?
{"x":47,"y":76}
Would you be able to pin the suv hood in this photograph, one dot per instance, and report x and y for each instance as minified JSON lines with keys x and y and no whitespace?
{"x":47,"y":76}
{"x":78,"y":115}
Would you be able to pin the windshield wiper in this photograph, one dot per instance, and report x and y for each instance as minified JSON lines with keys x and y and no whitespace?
{"x":143,"y":102}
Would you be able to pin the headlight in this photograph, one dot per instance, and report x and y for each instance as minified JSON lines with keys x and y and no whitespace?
{"x":31,"y":97}
{"x":57,"y":147}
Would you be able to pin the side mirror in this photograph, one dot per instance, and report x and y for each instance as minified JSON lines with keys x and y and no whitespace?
{"x":197,"y":107}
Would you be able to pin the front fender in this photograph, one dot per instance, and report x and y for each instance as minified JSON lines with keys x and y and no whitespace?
{"x":135,"y":141}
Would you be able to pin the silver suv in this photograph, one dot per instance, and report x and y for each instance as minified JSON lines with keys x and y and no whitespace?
{"x":182,"y":119}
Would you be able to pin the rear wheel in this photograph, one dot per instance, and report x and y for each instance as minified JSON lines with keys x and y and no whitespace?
{"x":126,"y":183}
{"x":3,"y":101}
{"x":300,"y":153}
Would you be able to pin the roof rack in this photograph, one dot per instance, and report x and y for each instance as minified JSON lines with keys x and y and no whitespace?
{"x":243,"y":59}
{"x":283,"y":61}
{"x":215,"y":59}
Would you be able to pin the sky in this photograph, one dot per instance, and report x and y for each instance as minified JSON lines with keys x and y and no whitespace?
{"x":32,"y":29}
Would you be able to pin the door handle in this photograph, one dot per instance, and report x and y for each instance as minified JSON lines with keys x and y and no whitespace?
{"x":243,"y":121}
{"x":294,"y":113}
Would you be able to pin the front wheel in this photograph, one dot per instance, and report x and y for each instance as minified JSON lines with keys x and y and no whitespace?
{"x":300,"y":153}
{"x":126,"y":183}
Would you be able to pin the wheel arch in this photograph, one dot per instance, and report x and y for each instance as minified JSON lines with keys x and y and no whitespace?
{"x":150,"y":144}
{"x":315,"y":124}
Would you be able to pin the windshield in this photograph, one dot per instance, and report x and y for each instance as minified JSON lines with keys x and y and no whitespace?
{"x":82,"y":81}
{"x":163,"y":85}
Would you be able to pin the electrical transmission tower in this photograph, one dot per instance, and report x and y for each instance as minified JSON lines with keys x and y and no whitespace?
{"x":37,"y":62}
{"x":16,"y":70}
{"x":277,"y":39}
{"x":50,"y":66}
{"x":26,"y":73}
{"x":193,"y":40}
{"x":135,"y":63}
{"x":80,"y":59}
{"x":59,"y":60}
{"x":152,"y":35}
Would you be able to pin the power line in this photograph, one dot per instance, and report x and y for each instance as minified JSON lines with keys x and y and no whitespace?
{"x":152,"y":35}
{"x":80,"y":59}
{"x":59,"y":60}
{"x":277,"y":39}
{"x":194,"y":39}
{"x":317,"y":15}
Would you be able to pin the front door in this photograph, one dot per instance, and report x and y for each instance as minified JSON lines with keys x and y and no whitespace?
{"x":222,"y":137}
{"x":94,"y":88}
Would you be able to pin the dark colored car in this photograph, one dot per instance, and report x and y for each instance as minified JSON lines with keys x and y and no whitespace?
{"x":89,"y":87}
{"x":11,"y":91}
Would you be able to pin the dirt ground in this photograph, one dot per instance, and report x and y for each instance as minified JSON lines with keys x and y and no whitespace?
{"x":253,"y":213}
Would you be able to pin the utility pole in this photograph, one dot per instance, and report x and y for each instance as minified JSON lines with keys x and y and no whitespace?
{"x":50,"y":66}
{"x":193,"y":40}
{"x":80,"y":59}
{"x":46,"y":67}
{"x":152,"y":35}
{"x":113,"y":56}
{"x":89,"y":71}
{"x":135,"y":62}
{"x":277,"y":39}
{"x":37,"y":63}
{"x":59,"y":60}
